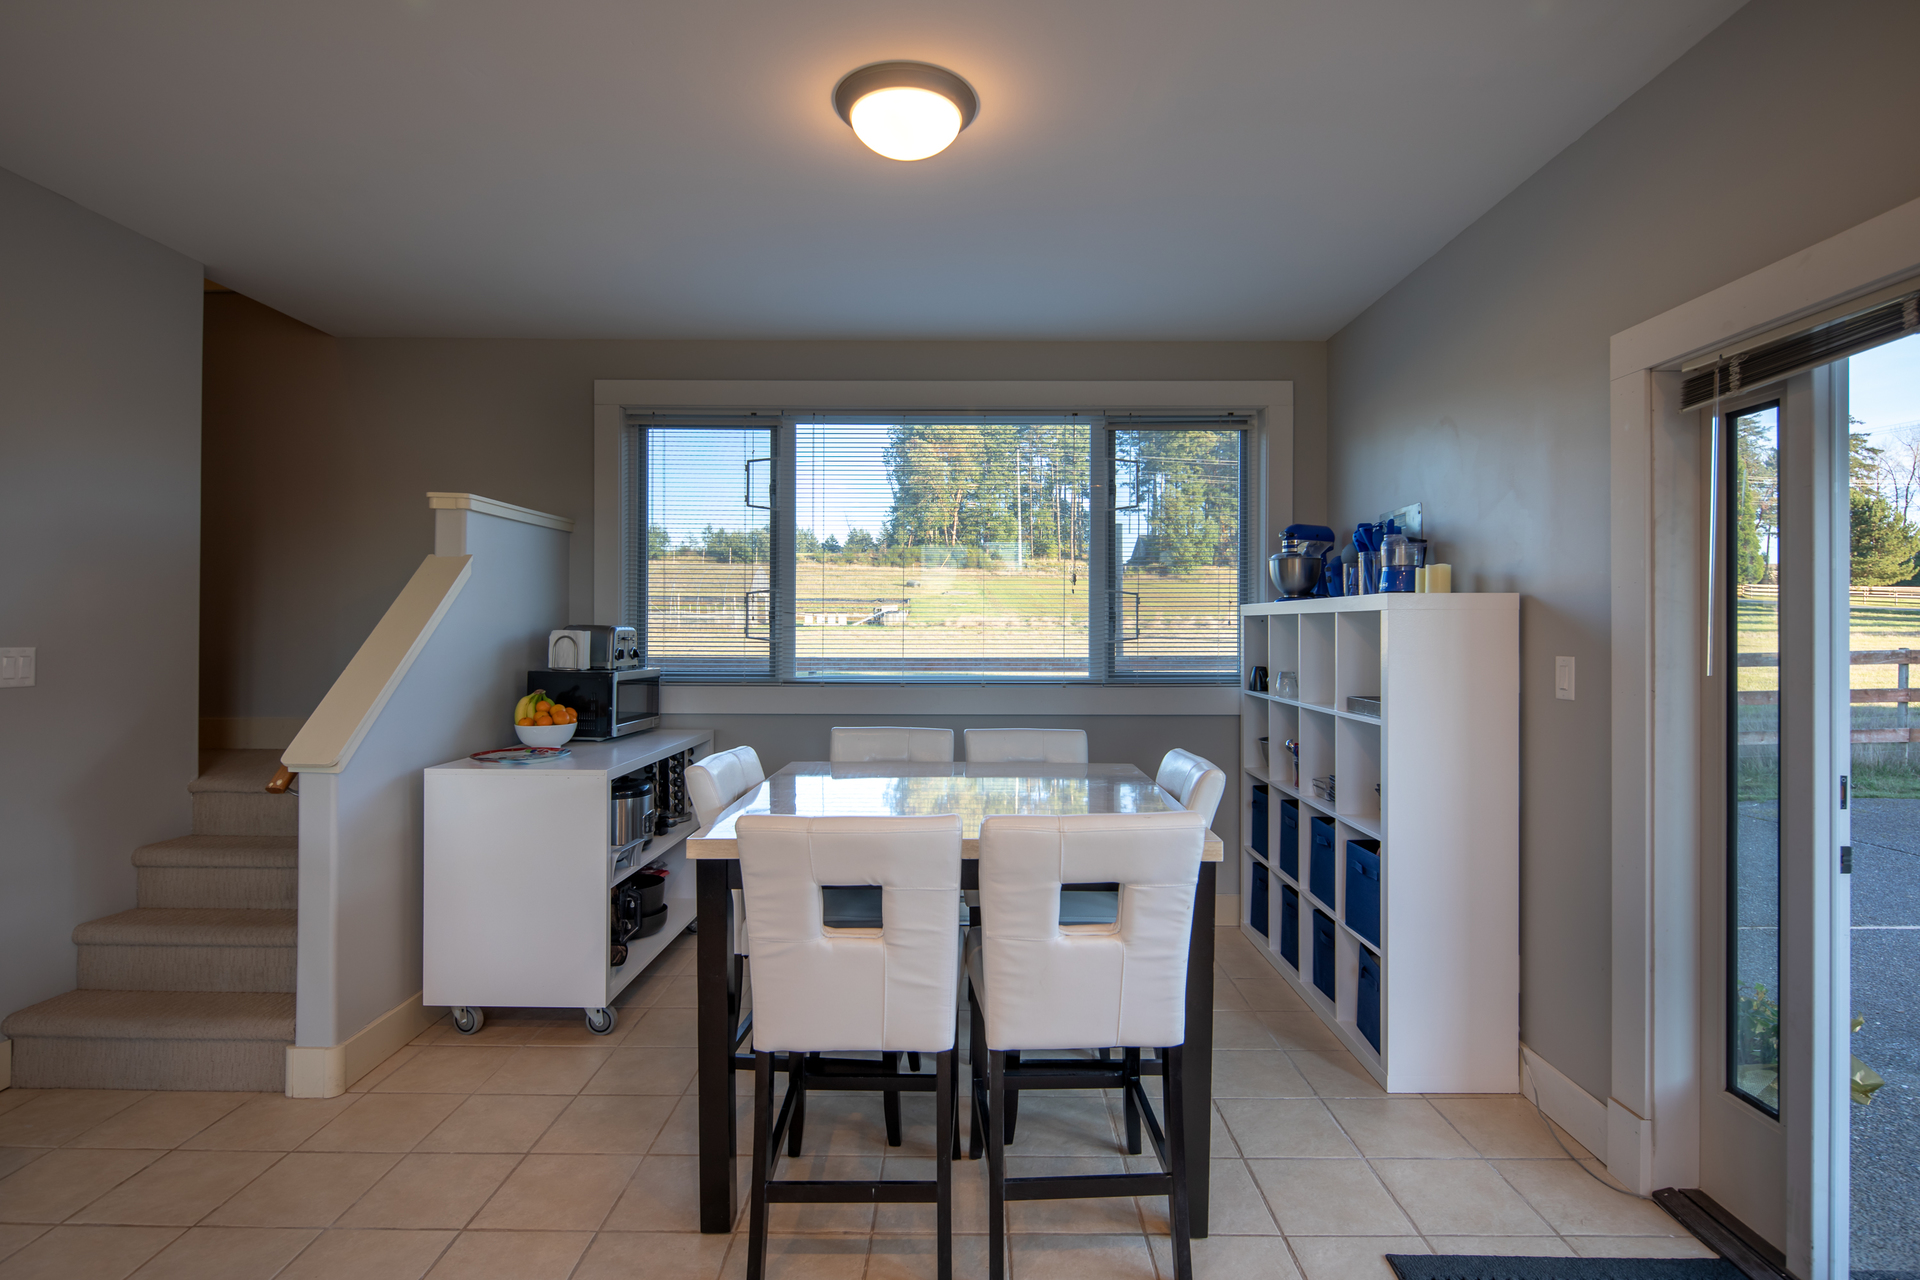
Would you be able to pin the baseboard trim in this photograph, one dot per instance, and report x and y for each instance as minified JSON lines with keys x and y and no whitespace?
{"x":1568,"y":1105}
{"x":6,"y":1063}
{"x":248,"y":733}
{"x":328,"y":1072}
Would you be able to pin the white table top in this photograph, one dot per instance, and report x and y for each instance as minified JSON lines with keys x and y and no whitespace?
{"x":815,"y":788}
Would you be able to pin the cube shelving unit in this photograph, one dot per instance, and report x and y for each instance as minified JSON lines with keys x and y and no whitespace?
{"x":1429,"y":1000}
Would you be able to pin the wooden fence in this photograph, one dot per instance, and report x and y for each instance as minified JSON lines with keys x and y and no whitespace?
{"x":1900,"y":694}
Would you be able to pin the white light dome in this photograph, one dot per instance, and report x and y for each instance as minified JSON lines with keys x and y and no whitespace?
{"x":905,"y":110}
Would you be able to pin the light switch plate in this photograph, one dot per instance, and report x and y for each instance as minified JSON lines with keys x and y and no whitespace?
{"x":1563,"y":678}
{"x":16,"y":668}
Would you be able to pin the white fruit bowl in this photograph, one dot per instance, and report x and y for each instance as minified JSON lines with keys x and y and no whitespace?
{"x":545,"y":735}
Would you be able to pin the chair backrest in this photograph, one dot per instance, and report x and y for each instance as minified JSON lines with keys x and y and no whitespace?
{"x":858,"y":744}
{"x":1051,"y":986}
{"x":716,"y":781}
{"x":1195,"y":781}
{"x":1036,"y":746}
{"x":818,"y":988}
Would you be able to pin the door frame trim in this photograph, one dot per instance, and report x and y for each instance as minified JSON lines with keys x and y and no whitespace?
{"x":1657,"y":645}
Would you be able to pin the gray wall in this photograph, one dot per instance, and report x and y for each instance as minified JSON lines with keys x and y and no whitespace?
{"x":99,"y":513}
{"x":319,"y":452}
{"x":1479,"y":387}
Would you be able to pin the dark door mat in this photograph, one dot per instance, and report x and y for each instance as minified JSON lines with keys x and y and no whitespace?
{"x":1428,"y":1266}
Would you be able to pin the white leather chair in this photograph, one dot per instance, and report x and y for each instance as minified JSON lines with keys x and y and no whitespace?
{"x":1038,"y":984}
{"x":889,"y":989}
{"x":1195,"y":781}
{"x":1026,"y":746}
{"x":860,"y":744}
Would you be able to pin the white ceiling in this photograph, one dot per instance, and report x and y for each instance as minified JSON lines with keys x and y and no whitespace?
{"x":638,"y":168}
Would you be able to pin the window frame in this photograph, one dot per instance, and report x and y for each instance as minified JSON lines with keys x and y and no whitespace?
{"x":1266,"y":409}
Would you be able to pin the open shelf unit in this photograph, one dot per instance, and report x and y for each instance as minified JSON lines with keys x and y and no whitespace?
{"x":1423,"y":819}
{"x":519,"y":868}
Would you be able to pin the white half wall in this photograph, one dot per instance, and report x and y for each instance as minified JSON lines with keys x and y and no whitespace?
{"x":360,"y":826}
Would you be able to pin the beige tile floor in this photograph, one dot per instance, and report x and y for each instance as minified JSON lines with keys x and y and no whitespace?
{"x":538,"y":1152}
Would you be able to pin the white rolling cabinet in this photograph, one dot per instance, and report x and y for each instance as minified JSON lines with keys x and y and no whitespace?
{"x":1427,"y":999}
{"x":519,"y":876}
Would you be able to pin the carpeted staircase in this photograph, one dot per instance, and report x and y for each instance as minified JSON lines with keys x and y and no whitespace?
{"x":192,"y":989}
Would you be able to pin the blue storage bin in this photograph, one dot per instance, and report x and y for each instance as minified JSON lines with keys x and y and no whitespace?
{"x":1256,"y":895}
{"x":1290,"y":925}
{"x":1320,"y":866}
{"x":1258,"y":820}
{"x":1366,"y":999}
{"x":1362,"y":906}
{"x":1290,"y":839}
{"x":1323,"y":951}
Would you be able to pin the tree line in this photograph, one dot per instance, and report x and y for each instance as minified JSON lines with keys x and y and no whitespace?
{"x":986,"y":494}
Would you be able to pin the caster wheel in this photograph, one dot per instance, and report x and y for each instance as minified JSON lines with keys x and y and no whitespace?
{"x":467,"y":1020}
{"x":600,"y":1021}
{"x":693,"y":926}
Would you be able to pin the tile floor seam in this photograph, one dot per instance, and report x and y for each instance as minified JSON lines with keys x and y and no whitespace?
{"x":1558,"y":1235}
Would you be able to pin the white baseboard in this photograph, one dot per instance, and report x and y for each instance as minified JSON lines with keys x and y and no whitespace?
{"x":1629,"y":1148}
{"x":329,"y":1071}
{"x":1568,"y":1105}
{"x":6,"y":1063}
{"x":248,"y":733}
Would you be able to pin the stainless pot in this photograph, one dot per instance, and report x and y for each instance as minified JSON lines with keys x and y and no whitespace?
{"x":632,"y":808}
{"x":1295,"y":575}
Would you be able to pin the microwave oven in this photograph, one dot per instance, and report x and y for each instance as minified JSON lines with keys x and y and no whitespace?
{"x":611,"y":703}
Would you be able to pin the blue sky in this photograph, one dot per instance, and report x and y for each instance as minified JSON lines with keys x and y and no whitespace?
{"x":1883,"y":390}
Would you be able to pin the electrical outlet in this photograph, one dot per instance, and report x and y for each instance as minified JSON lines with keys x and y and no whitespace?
{"x":1563,"y":678}
{"x":16,"y":668}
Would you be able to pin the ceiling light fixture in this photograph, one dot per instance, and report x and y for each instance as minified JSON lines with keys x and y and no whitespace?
{"x":905,"y":110}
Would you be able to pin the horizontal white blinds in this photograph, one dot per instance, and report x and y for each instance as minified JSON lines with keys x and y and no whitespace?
{"x":1822,"y":344}
{"x":940,"y":549}
{"x":1179,"y":550}
{"x":707,"y":548}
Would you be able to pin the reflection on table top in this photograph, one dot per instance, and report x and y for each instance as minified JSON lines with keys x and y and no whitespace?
{"x":974,"y":791}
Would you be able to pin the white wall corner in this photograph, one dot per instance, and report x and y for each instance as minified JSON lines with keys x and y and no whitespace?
{"x":1582,"y":1115}
{"x":329,"y":1071}
{"x":1629,"y":1149}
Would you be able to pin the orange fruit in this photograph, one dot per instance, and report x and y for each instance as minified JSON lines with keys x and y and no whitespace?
{"x":524,"y":720}
{"x":543,"y":720}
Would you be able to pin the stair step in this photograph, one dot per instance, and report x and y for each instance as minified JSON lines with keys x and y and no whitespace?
{"x":153,"y":1040}
{"x":257,"y":872}
{"x":189,"y":950}
{"x":230,"y":796}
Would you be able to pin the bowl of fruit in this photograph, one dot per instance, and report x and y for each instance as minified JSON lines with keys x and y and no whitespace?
{"x":542,"y":722}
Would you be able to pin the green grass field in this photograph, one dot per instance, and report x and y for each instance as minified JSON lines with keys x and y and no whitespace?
{"x":1878,"y":769}
{"x":979,"y":616}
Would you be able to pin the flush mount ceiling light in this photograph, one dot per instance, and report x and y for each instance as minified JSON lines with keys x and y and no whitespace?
{"x":906,"y":110}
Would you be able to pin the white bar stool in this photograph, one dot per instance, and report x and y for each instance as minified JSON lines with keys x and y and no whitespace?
{"x":1037,"y":984}
{"x":890,"y":989}
{"x":1026,"y":746}
{"x":864,"y":744}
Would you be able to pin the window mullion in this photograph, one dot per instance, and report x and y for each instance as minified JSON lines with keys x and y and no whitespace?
{"x":782,"y":567}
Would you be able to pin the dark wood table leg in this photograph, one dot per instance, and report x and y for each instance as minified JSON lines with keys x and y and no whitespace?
{"x":717,"y":1023}
{"x":1198,"y":1053}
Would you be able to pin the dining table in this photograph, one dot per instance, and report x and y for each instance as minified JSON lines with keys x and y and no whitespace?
{"x":900,"y":789}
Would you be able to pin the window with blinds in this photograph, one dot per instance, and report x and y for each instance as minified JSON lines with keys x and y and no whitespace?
{"x":1180,"y":551}
{"x":915,"y":547}
{"x":707,"y":539}
{"x":939,"y":549}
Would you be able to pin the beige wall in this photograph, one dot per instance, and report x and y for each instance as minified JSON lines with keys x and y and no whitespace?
{"x":99,"y":515}
{"x":1479,"y":387}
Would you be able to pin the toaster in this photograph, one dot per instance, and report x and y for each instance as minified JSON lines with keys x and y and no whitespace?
{"x":591,"y":647}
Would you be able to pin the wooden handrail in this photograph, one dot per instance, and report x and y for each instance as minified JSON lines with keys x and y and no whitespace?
{"x":282,"y":778}
{"x":1858,"y":658}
